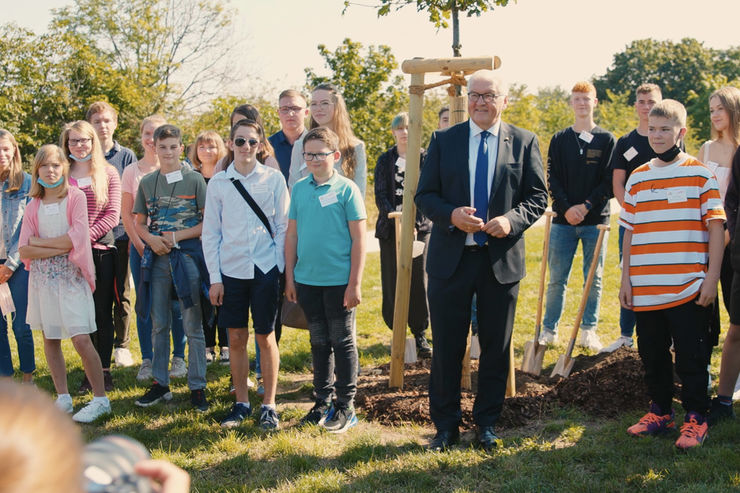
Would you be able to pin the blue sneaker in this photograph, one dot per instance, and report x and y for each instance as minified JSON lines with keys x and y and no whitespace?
{"x":269,"y":419}
{"x":238,"y":413}
{"x":318,"y":414}
{"x":341,"y":419}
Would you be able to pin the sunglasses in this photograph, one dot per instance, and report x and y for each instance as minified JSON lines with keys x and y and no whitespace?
{"x":240,"y":141}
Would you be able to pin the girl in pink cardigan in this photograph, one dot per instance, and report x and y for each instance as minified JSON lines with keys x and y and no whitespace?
{"x":55,"y":247}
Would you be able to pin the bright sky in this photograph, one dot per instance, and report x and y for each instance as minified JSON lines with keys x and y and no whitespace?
{"x":540,"y":42}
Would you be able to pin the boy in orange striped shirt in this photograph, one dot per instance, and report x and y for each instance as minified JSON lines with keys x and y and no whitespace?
{"x":673,"y":246}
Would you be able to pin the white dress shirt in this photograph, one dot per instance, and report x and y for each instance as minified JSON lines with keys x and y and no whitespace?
{"x":234,"y":238}
{"x":473,"y":144}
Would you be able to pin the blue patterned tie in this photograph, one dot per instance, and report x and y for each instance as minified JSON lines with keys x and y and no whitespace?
{"x":480,"y":199}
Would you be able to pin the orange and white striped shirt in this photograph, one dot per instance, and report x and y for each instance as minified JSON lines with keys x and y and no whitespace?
{"x":668,"y":209}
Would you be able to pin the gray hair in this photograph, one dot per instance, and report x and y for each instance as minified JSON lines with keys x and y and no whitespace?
{"x":491,"y":76}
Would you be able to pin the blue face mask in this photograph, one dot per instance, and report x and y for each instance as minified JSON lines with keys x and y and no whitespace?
{"x":86,"y":158}
{"x":47,"y":185}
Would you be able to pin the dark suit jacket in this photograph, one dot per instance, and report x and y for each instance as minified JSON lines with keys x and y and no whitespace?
{"x":518,"y":192}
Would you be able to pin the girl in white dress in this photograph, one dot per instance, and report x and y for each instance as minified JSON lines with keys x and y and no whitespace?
{"x":55,"y":246}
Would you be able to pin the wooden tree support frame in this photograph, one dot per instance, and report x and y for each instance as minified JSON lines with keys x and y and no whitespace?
{"x":456,"y":69}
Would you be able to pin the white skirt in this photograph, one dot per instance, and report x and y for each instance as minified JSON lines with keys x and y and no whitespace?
{"x":60,"y":301}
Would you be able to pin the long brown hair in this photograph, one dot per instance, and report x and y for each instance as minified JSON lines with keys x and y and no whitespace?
{"x":343,"y":129}
{"x":48,"y":152}
{"x":98,"y":163}
{"x":729,"y":96}
{"x":14,"y":174}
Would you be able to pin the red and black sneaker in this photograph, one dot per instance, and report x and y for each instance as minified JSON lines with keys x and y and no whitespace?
{"x":653,"y":423}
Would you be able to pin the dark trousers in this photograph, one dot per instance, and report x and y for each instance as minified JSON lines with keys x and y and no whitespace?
{"x":449,"y":304}
{"x":211,"y":326}
{"x":418,"y":311}
{"x":122,"y":300}
{"x":104,"y":261}
{"x":330,"y":326}
{"x":687,"y":326}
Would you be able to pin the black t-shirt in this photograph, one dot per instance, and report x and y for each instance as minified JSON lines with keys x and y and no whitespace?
{"x":632,"y":150}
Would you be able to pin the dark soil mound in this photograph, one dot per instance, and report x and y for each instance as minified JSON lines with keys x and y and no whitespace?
{"x":600,"y":385}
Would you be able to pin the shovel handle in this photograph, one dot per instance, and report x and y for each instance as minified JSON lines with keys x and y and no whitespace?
{"x":543,"y":271}
{"x":603,"y":228}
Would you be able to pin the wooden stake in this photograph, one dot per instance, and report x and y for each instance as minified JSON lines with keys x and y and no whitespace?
{"x":403,"y":271}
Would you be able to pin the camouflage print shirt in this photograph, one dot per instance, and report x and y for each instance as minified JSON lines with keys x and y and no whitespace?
{"x":171,"y":206}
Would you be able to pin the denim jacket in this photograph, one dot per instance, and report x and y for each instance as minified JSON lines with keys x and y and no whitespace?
{"x":13,"y":206}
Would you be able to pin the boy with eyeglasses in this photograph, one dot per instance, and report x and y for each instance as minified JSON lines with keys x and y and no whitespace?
{"x":244,"y":244}
{"x":292,"y":112}
{"x":324,"y":260}
{"x":579,"y":180}
{"x":172,"y":199}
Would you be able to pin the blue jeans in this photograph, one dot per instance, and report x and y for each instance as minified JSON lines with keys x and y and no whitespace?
{"x":144,"y":328}
{"x":626,"y":317}
{"x":18,"y":284}
{"x":162,"y":290}
{"x":563,"y":244}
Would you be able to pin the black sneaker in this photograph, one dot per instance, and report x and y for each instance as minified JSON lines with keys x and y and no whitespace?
{"x":238,"y":414}
{"x":85,"y":386}
{"x":342,"y":419}
{"x":269,"y":419}
{"x":719,"y":412}
{"x":155,"y":394}
{"x":318,"y":413}
{"x":423,"y":349}
{"x":107,"y":380}
{"x":198,"y":400}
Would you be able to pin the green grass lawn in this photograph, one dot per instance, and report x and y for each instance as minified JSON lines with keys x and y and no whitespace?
{"x":568,"y":451}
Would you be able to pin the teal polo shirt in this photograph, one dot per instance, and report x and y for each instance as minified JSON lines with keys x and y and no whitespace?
{"x":321,"y":213}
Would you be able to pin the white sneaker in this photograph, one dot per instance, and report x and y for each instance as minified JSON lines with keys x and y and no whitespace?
{"x":548,"y":337}
{"x":736,"y":394}
{"x":65,"y":404}
{"x":210,"y":354}
{"x":590,"y":340}
{"x":145,"y":372}
{"x":621,"y":341}
{"x":224,"y":356}
{"x":178,"y":369}
{"x":92,"y":411}
{"x":122,"y":357}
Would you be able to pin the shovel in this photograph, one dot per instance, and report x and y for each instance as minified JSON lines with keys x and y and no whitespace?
{"x":565,"y":361}
{"x":533,"y":351}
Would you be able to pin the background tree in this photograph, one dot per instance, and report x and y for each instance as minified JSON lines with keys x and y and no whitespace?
{"x":681,"y":69}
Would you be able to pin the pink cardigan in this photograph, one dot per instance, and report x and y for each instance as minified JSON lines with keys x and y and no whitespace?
{"x":79,"y":232}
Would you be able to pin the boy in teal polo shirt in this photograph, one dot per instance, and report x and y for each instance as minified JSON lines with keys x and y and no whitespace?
{"x":324,"y":260}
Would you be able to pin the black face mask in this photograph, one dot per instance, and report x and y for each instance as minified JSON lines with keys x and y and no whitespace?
{"x":670,"y":154}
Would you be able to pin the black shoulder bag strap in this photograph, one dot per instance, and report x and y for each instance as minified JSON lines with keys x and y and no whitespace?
{"x":256,"y":208}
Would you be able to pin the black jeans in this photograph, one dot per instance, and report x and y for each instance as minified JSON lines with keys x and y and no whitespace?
{"x":687,"y":325}
{"x":122,"y":299}
{"x":418,"y":319}
{"x":104,"y":261}
{"x":330,"y":327}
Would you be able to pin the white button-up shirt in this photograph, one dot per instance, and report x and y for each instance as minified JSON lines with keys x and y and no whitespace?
{"x":234,"y":238}
{"x":473,"y":144}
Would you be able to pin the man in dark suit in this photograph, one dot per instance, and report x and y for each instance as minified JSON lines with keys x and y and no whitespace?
{"x":482,"y":185}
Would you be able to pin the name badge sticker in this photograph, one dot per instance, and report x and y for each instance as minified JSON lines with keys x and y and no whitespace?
{"x":51,"y":209}
{"x":328,"y":199}
{"x":255,"y":189}
{"x":173,"y":177}
{"x":630,"y":154}
{"x":586,"y":136}
{"x":84,"y":182}
{"x":676,"y":195}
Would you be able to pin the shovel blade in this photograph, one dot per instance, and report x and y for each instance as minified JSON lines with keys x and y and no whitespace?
{"x":563,"y":367}
{"x":533,"y":357}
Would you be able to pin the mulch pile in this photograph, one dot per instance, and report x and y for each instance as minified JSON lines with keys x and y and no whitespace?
{"x":599,"y":385}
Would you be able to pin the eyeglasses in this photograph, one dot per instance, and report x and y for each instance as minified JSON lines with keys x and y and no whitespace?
{"x":287,"y":110}
{"x":76,"y":142}
{"x":324,"y":105}
{"x":316,"y":156}
{"x":240,"y":141}
{"x":207,"y":148}
{"x":487,"y":97}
